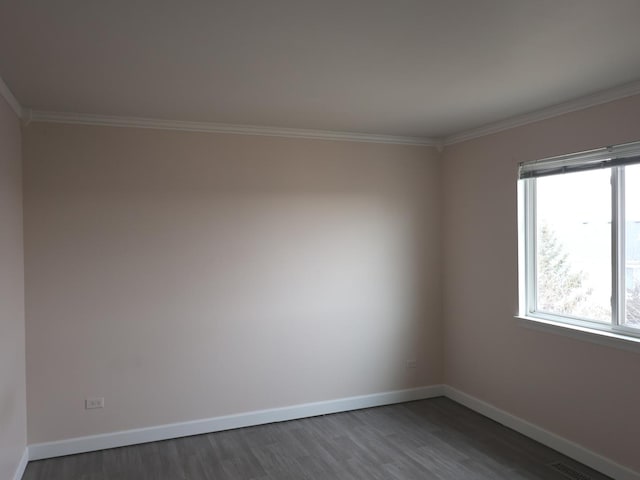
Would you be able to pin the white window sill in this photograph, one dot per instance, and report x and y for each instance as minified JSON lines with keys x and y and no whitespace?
{"x":600,"y":337}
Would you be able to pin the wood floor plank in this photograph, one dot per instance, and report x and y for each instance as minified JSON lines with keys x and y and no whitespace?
{"x":434,"y":439}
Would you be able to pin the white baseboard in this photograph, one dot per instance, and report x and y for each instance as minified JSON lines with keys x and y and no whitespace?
{"x":562,"y":445}
{"x":22,"y":465}
{"x":175,"y":430}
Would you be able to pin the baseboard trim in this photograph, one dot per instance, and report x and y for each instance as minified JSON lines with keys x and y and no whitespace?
{"x":259,"y":417}
{"x":175,"y":430}
{"x":562,"y":445}
{"x":22,"y":465}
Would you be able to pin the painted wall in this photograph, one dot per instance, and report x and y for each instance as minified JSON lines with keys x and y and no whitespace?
{"x":188,"y":275}
{"x":13,"y":419}
{"x":582,"y":391}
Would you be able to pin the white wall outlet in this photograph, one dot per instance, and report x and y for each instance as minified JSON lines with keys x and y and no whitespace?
{"x":90,"y":403}
{"x":412,"y":363}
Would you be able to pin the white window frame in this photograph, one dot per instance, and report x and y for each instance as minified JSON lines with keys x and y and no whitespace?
{"x":615,"y":333}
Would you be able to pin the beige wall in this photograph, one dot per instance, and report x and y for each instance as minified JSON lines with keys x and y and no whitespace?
{"x":187,"y":275}
{"x":190,"y":275}
{"x":13,"y":420}
{"x":585,"y":392}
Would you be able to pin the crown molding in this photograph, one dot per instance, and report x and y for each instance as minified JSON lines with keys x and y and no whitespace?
{"x":598,"y":98}
{"x":581,"y":103}
{"x":10,"y":98}
{"x":114,"y":121}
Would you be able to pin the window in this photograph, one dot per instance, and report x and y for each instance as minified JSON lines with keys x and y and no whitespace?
{"x":579,"y":241}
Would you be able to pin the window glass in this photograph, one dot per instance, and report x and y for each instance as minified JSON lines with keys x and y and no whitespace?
{"x":632,"y":245}
{"x":573,"y":245}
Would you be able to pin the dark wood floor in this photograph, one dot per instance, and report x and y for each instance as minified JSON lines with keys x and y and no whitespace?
{"x":428,"y":439}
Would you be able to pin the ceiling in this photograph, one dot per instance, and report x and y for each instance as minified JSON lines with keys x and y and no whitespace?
{"x":426,"y":68}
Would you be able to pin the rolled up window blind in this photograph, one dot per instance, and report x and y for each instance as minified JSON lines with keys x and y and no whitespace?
{"x":627,"y":154}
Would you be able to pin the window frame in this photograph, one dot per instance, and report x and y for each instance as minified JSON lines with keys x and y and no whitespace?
{"x":615,"y":159}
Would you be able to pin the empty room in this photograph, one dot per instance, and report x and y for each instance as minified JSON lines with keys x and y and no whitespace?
{"x":271,"y":240}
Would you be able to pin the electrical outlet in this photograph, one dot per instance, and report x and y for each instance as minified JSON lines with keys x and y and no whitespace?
{"x":91,"y":403}
{"x":412,"y":363}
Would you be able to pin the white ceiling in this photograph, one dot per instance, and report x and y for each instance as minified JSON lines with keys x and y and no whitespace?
{"x":427,"y":68}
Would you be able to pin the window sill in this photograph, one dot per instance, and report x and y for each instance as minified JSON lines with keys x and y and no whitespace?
{"x":600,"y":337}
